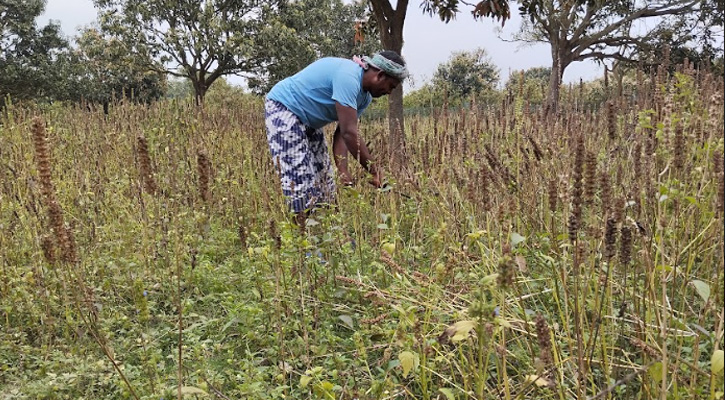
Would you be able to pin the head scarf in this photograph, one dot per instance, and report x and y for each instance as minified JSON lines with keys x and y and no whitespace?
{"x":379,"y":61}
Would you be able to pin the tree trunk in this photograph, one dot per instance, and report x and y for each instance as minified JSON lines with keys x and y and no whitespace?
{"x":557,"y":72}
{"x":390,"y":21}
{"x":200,"y":87}
{"x":396,"y":124}
{"x":552,"y":100}
{"x":396,"y":121}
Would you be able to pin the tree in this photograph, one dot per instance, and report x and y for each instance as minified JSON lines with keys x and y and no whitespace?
{"x":467,"y":74}
{"x":390,"y":23}
{"x":28,"y":56}
{"x":696,"y":37}
{"x":105,"y":71}
{"x":198,"y":40}
{"x":593,"y":29}
{"x":530,"y":83}
{"x":298,"y":32}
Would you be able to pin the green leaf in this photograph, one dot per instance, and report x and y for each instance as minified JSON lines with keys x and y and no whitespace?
{"x":476,"y":235}
{"x":702,"y":288}
{"x":192,"y":390}
{"x":305,"y":380}
{"x":448,"y":393}
{"x":409,"y":361}
{"x":461,"y":330}
{"x":516,"y":239}
{"x":655,"y":371}
{"x":717,"y":362}
{"x":347,"y":320}
{"x":324,"y":390}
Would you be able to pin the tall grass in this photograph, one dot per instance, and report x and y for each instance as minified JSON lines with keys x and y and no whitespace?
{"x":148,"y":253}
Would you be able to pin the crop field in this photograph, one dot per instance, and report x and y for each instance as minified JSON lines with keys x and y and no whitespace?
{"x":149,"y":254}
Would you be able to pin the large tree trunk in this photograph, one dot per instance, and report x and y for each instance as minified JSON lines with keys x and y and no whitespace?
{"x":390,"y":22}
{"x":200,"y":89}
{"x":396,"y":121}
{"x":557,"y":72}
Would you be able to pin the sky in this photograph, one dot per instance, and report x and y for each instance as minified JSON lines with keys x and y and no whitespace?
{"x":428,"y":41}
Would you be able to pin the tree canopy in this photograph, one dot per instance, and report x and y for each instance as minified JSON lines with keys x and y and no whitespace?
{"x":467,"y":74}
{"x":594,"y":29}
{"x":105,"y":70}
{"x":298,"y":32}
{"x":28,"y":54}
{"x":201,"y":41}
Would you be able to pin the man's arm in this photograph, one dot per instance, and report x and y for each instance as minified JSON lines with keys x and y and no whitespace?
{"x":339,"y":150}
{"x":348,"y":135}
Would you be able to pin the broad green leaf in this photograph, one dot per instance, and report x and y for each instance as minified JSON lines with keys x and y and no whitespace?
{"x":347,"y":320}
{"x":655,"y":371}
{"x":305,"y":380}
{"x":461,"y":329}
{"x":388,"y":247}
{"x":717,"y":363}
{"x":702,"y":288}
{"x":409,"y":361}
{"x":324,"y":390}
{"x":516,"y":239}
{"x":448,"y":393}
{"x":192,"y":390}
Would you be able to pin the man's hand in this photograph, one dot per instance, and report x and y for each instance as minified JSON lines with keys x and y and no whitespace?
{"x":377,"y":178}
{"x":345,"y":179}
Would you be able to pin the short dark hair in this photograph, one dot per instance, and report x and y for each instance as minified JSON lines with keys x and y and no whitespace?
{"x":393,"y":56}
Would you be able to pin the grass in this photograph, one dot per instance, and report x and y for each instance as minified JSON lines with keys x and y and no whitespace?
{"x":516,"y":256}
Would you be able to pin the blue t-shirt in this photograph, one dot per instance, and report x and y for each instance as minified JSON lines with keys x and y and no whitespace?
{"x":311,"y":93}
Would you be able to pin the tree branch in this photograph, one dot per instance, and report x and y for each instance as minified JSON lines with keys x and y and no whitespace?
{"x":646,"y":12}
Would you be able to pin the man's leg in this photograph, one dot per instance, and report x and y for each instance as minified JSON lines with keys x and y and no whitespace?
{"x":290,"y":150}
{"x":324,"y":175}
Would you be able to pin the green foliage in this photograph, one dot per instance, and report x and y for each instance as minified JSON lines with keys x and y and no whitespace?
{"x":105,"y":70}
{"x":447,"y":10}
{"x":581,"y":30}
{"x":465,"y":75}
{"x":531,"y":84}
{"x":31,"y":59}
{"x":297,"y":33}
{"x":447,"y":284}
{"x":204,"y":40}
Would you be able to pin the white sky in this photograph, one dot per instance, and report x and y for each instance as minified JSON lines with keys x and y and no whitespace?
{"x":428,"y":41}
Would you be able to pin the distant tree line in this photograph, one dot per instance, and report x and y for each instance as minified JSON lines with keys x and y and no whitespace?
{"x":136,"y":45}
{"x":139,"y":49}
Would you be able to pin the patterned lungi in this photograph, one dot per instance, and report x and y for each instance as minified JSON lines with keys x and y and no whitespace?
{"x":300,"y":155}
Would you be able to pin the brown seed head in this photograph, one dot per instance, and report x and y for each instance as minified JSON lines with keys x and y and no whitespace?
{"x":543,"y":337}
{"x":144,"y":161}
{"x":204,"y":168}
{"x":506,"y":272}
{"x":610,"y":238}
{"x":63,"y":235}
{"x":625,"y":250}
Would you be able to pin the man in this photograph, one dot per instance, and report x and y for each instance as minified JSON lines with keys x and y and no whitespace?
{"x":298,"y":107}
